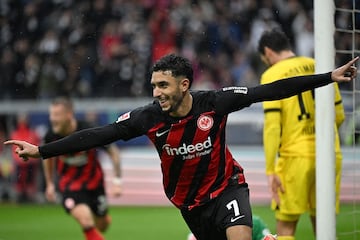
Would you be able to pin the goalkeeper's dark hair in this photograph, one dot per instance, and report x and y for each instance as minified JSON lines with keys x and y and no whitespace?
{"x":178,"y":65}
{"x":275,"y":39}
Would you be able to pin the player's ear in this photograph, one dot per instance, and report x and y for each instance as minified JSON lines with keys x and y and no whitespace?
{"x":267,"y":51}
{"x":185,"y":84}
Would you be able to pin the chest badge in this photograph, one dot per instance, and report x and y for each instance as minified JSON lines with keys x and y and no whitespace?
{"x":205,"y":122}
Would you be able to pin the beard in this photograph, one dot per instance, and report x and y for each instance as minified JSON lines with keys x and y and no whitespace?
{"x":175,"y":102}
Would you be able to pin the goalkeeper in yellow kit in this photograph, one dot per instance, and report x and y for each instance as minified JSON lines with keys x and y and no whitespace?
{"x":289,"y":136}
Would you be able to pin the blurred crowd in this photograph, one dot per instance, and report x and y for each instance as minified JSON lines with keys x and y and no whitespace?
{"x":104,"y":48}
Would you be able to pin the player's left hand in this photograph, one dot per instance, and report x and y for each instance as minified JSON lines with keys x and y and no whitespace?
{"x":116,"y":188}
{"x":346,"y":72}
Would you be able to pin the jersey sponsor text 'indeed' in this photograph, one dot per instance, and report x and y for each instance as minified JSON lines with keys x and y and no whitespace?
{"x":195,"y":150}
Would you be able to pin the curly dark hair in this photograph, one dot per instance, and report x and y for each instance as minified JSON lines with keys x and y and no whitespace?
{"x":178,"y":65}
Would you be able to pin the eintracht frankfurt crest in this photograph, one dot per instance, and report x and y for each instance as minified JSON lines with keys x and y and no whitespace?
{"x":205,"y":122}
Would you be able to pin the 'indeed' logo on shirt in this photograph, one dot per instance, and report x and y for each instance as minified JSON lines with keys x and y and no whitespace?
{"x":193,"y":150}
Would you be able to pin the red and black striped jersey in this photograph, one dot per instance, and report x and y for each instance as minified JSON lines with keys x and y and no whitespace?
{"x":195,"y":160}
{"x":77,"y":171}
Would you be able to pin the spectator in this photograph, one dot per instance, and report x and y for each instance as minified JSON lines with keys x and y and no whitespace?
{"x":163,"y":35}
{"x":50,"y":43}
{"x":51,"y":78}
{"x":6,"y":169}
{"x":8,"y":70}
{"x":28,"y":77}
{"x":304,"y":34}
{"x":25,"y":173}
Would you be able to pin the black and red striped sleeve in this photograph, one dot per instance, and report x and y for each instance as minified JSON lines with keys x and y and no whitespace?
{"x":231,"y":99}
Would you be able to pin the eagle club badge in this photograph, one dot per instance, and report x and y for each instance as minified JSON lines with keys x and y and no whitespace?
{"x":205,"y":122}
{"x":123,"y":117}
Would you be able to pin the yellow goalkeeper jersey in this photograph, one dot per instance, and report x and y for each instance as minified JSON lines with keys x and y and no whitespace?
{"x":289,"y":124}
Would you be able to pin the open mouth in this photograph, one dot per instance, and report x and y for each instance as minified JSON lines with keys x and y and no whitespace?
{"x":162,"y":102}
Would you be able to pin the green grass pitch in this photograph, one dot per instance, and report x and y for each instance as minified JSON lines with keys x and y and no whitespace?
{"x":49,"y":222}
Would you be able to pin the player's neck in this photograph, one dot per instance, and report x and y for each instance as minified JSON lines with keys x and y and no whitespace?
{"x":72,"y":127}
{"x":283,"y":55}
{"x":184,"y":107}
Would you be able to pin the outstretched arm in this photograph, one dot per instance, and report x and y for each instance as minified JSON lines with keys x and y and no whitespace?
{"x":76,"y":142}
{"x":231,"y":99}
{"x":291,"y":86}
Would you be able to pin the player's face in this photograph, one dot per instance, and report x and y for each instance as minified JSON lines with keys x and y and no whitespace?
{"x":60,"y":119}
{"x":169,"y":91}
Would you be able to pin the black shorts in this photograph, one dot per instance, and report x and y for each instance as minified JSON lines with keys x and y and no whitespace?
{"x":230,"y":208}
{"x":95,"y":199}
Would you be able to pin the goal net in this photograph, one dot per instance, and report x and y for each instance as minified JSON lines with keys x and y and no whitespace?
{"x":347,"y":46}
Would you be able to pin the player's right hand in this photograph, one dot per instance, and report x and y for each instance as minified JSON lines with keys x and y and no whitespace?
{"x":24,"y":149}
{"x":275,"y":187}
{"x":50,"y":193}
{"x":116,"y":188}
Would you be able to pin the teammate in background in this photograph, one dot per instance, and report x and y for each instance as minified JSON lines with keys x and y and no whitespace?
{"x":25,"y":173}
{"x":81,"y":180}
{"x":259,"y":231}
{"x":289,"y":136}
{"x":200,"y":176}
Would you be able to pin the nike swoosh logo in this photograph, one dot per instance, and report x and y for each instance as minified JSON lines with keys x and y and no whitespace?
{"x":234,"y":219}
{"x":159,"y":134}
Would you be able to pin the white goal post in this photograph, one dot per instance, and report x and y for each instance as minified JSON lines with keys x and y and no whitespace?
{"x":324,"y":29}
